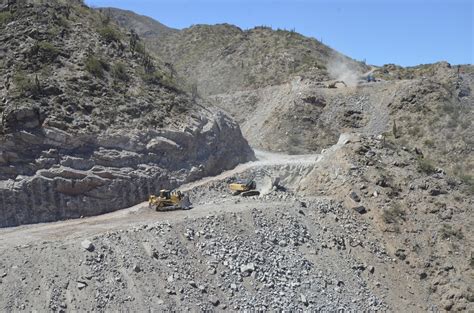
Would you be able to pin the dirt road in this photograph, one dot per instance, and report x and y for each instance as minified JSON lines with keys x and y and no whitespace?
{"x":264,"y":159}
{"x":139,"y":214}
{"x":302,"y":253}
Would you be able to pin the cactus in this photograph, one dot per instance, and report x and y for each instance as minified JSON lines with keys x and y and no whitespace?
{"x":133,"y":40}
{"x":395,"y":130}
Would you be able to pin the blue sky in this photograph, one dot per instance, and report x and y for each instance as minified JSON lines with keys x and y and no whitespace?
{"x":380,"y":31}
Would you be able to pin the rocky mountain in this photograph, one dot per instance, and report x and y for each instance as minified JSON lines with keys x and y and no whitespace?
{"x":91,"y":122}
{"x":274,"y":83}
{"x":215,"y":59}
{"x":365,"y":186}
{"x":147,"y":27}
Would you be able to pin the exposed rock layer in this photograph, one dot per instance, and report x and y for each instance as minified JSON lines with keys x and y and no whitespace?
{"x":90,"y":122}
{"x":48,"y":174}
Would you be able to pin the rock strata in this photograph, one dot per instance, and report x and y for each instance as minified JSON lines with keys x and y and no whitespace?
{"x":90,"y":124}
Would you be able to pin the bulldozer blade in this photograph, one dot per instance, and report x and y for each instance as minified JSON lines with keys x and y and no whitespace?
{"x":185,"y":203}
{"x":167,"y":208}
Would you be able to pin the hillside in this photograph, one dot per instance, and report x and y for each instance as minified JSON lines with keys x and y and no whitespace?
{"x":145,"y":26}
{"x":90,"y":122}
{"x":223,"y":58}
{"x":273,"y":82}
{"x":365,"y":188}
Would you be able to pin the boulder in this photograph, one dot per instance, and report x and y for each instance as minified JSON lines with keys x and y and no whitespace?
{"x":360,"y":209}
{"x":87,"y":245}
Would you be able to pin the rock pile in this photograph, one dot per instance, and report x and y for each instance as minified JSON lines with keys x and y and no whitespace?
{"x":266,"y":259}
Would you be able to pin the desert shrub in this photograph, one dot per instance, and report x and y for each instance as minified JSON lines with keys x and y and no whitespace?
{"x":294,"y":141}
{"x":193,"y":90}
{"x":415,"y":131}
{"x":109,"y":34}
{"x":435,"y":119}
{"x":402,"y":142}
{"x":26,"y":85}
{"x":157,"y":77}
{"x":447,"y":231}
{"x":393,"y":213}
{"x":63,"y":22}
{"x":45,"y":50}
{"x":153,"y":78}
{"x":468,"y":181}
{"x":451,"y":181}
{"x":81,"y":9}
{"x":466,"y":124}
{"x":426,"y":166}
{"x":468,"y":140}
{"x":429,"y":143}
{"x":5,"y":17}
{"x":452,"y":123}
{"x":448,"y":108}
{"x":119,"y":71}
{"x":96,"y":66}
{"x":250,"y":80}
{"x":169,"y":83}
{"x":466,"y":178}
{"x":139,"y":48}
{"x":133,"y":40}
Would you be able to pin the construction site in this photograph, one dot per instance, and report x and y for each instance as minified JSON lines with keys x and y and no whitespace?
{"x":146,"y":168}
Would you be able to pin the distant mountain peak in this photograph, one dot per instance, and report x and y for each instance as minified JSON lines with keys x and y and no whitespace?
{"x":145,"y":26}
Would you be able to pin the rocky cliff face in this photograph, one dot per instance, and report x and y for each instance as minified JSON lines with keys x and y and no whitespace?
{"x":91,"y":123}
{"x":430,"y":111}
{"x":49,"y":174}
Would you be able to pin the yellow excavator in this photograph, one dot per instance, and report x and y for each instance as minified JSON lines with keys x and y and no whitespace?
{"x":169,"y":200}
{"x":245,"y":188}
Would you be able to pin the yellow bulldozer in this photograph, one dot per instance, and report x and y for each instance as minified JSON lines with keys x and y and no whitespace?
{"x":245,"y":188}
{"x":169,"y":200}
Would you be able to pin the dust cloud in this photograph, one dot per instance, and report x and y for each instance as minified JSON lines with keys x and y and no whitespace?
{"x":338,"y":69}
